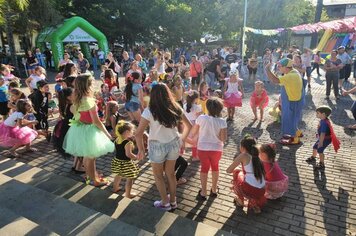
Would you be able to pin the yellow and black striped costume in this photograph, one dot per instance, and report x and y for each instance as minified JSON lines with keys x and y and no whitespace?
{"x":121,"y":165}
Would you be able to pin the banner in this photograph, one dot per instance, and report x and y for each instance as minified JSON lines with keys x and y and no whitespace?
{"x":263,"y":32}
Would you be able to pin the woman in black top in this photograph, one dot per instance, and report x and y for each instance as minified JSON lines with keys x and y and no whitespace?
{"x":31,"y":62}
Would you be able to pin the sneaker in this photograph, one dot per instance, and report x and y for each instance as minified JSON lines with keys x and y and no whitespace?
{"x":158,"y":204}
{"x":311,"y":159}
{"x":174,"y":205}
{"x":320,"y":166}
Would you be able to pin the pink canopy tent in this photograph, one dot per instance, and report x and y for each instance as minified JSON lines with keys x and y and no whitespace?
{"x":346,"y":25}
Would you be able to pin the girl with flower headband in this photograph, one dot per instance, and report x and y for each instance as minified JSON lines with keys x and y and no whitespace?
{"x":233,"y":93}
{"x":122,"y":164}
{"x":134,"y":96}
{"x":276,"y":180}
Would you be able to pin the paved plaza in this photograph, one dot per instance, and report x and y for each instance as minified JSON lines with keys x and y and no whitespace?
{"x":317,"y":203}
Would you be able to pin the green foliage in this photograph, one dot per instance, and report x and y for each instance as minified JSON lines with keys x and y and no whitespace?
{"x":170,"y":22}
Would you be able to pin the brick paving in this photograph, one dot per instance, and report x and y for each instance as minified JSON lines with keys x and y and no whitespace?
{"x":316,"y":203}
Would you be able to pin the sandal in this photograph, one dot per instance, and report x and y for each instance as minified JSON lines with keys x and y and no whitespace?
{"x":31,"y":149}
{"x":201,"y":197}
{"x":181,"y":181}
{"x":237,"y":202}
{"x":13,"y":154}
{"x":212,"y":194}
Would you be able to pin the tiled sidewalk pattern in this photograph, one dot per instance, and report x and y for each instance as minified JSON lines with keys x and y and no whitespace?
{"x":316,"y":203}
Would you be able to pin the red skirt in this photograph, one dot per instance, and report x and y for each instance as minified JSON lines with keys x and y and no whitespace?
{"x":244,"y":190}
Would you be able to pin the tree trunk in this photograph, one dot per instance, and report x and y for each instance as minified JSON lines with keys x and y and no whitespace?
{"x":10,"y":37}
{"x":2,"y":37}
{"x":318,"y":11}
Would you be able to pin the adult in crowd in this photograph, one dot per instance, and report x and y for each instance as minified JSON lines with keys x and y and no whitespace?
{"x":182,"y":64}
{"x":48,"y":56}
{"x":160,"y":63}
{"x":39,"y":57}
{"x":291,"y":99}
{"x":169,"y":63}
{"x":196,"y":71}
{"x":267,"y":58}
{"x":345,"y":60}
{"x":333,"y":66}
{"x":94,"y":59}
{"x":125,"y":63}
{"x":111,"y":63}
{"x":353,"y":107}
{"x":252,"y":65}
{"x":82,"y":63}
{"x":317,"y":62}
{"x":164,"y":116}
{"x":70,"y":70}
{"x":348,"y":63}
{"x":101,"y":56}
{"x":231,"y":57}
{"x":306,"y":60}
{"x":214,"y":73}
{"x":66,"y":59}
{"x":31,"y":62}
{"x":141,"y":63}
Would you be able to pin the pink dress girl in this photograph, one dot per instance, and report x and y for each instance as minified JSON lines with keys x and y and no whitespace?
{"x":233,"y":97}
{"x":13,"y":135}
{"x":276,"y":181}
{"x":257,"y":99}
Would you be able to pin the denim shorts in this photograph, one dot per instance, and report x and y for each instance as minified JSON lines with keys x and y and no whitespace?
{"x":132,"y":106}
{"x":160,"y":152}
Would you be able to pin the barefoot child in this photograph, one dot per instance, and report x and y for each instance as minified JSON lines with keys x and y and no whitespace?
{"x":122,"y":164}
{"x":325,"y":135}
{"x":14,"y":132}
{"x":276,"y":181}
{"x":249,"y":182}
{"x":232,"y":94}
{"x":212,"y":131}
{"x":259,"y":99}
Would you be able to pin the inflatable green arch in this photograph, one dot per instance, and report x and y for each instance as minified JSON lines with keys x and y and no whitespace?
{"x":74,"y":29}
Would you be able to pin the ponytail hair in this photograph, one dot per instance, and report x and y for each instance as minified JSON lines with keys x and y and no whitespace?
{"x":249,"y":143}
{"x":130,"y":80}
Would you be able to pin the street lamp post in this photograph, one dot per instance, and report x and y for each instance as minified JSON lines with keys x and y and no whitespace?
{"x":243,"y":33}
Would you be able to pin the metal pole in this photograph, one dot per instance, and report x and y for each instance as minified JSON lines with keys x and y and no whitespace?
{"x":243,"y":33}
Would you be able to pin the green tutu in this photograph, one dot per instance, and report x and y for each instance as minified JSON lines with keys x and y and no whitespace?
{"x":86,"y":140}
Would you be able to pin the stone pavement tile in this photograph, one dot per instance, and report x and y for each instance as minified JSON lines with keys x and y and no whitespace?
{"x":316,"y":203}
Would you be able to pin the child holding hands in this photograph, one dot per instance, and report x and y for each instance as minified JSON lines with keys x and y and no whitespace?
{"x":122,"y":164}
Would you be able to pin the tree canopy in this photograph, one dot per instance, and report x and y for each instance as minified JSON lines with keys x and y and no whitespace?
{"x":169,"y":22}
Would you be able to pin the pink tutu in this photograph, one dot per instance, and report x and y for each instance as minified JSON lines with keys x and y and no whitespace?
{"x":255,"y":101}
{"x":10,"y":136}
{"x":276,"y":189}
{"x":233,"y":100}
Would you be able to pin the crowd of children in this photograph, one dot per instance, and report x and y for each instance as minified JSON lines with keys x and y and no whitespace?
{"x":160,"y":115}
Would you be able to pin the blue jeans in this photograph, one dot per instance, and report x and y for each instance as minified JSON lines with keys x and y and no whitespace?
{"x":95,"y":63}
{"x":210,"y":80}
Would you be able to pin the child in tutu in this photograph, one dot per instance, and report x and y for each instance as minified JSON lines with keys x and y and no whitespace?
{"x":276,"y":181}
{"x":325,"y":136}
{"x":87,"y":136}
{"x":192,"y":110}
{"x":212,"y":130}
{"x":232,"y":94}
{"x":249,"y":182}
{"x":122,"y":164}
{"x":259,"y":99}
{"x":14,"y":132}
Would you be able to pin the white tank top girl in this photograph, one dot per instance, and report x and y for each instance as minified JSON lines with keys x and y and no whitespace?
{"x":250,"y":177}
